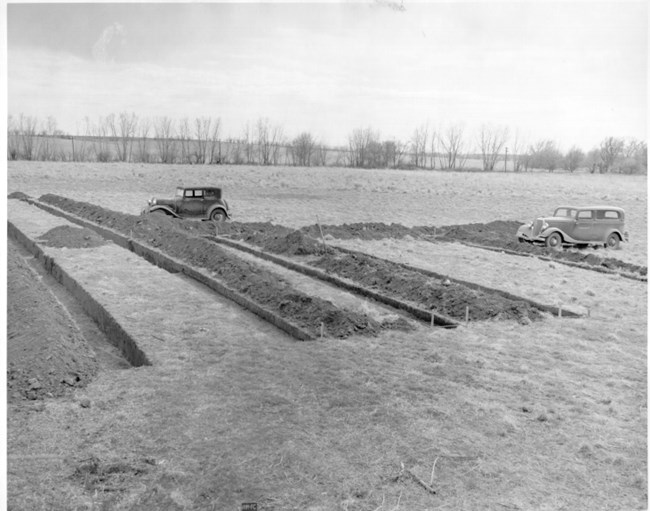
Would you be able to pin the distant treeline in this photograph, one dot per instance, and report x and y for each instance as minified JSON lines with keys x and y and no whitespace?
{"x":127,"y":138}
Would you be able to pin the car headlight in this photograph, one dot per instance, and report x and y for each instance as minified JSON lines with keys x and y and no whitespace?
{"x":544,"y":226}
{"x":152,"y":201}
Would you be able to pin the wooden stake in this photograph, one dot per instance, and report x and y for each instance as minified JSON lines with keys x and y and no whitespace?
{"x":432,"y":318}
{"x":467,"y":314}
{"x":559,"y":311}
{"x":321,"y":230}
{"x":322,"y":328}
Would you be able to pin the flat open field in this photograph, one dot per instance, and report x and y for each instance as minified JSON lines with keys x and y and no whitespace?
{"x":496,"y":414}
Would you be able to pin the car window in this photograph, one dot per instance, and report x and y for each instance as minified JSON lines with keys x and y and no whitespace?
{"x":179,"y":192}
{"x":607,"y":215}
{"x":189,"y":193}
{"x":565,"y":212}
{"x":209,"y":193}
{"x":198,"y":193}
{"x":585,"y":215}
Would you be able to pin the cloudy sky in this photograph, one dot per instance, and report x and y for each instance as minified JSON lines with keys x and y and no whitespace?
{"x":573,"y":72}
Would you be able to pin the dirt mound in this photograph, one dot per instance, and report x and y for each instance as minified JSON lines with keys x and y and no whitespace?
{"x":18,"y":195}
{"x":364,"y":231}
{"x":46,"y":354}
{"x":294,"y":243}
{"x":72,"y":237}
{"x":450,"y":299}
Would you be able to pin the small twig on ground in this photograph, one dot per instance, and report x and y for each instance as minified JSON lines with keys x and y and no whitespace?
{"x":421,"y":483}
{"x":321,"y":231}
{"x":433,"y":470}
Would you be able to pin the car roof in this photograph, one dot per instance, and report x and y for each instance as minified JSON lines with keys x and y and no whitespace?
{"x":598,"y":208}
{"x":199,"y":187}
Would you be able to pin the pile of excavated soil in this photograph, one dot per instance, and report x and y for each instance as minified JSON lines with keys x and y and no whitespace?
{"x":72,"y":237}
{"x":447,"y":298}
{"x":182,"y":239}
{"x":498,"y":234}
{"x":46,"y":353}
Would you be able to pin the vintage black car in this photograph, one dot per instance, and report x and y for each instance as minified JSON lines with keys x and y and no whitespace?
{"x":581,"y":226}
{"x":197,"y":202}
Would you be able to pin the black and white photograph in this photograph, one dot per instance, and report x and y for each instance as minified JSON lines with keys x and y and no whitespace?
{"x":383,"y":255}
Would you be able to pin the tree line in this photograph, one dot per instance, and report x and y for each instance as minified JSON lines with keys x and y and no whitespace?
{"x":127,"y":138}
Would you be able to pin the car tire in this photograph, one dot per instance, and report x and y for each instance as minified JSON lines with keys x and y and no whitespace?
{"x":218,"y":215}
{"x":554,"y":241}
{"x":613,"y":241}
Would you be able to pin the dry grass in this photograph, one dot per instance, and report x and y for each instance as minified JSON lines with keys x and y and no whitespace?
{"x":494,"y":416}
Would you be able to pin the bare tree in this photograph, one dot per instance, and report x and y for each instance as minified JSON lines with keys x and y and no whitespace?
{"x":419,"y":145}
{"x":592,"y":160}
{"x":184,"y":138}
{"x":47,"y":148}
{"x":302,"y":149}
{"x":13,"y":140}
{"x":491,"y":142}
{"x":321,"y":155}
{"x":249,"y":146}
{"x":610,"y":149}
{"x":433,"y":140}
{"x":545,"y":155}
{"x":164,"y":130}
{"x":28,"y":141}
{"x":123,"y":131}
{"x":451,"y":142}
{"x":100,"y":134}
{"x":214,"y":145}
{"x":277,"y":141}
{"x":202,"y":138}
{"x":269,"y":139}
{"x":142,"y":153}
{"x":361,"y":149}
{"x":573,"y":158}
{"x":518,"y":152}
{"x":634,"y":158}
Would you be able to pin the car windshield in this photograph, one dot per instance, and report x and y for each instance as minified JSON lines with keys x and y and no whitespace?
{"x":565,"y":212}
{"x":179,"y":192}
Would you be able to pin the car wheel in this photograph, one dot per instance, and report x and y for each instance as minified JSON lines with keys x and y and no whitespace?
{"x":520,"y":240}
{"x":613,"y":241}
{"x":554,"y":241}
{"x":218,"y":215}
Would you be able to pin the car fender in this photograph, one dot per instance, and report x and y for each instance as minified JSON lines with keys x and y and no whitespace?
{"x":618,"y":232}
{"x":166,"y":209}
{"x":217,"y":206}
{"x":565,"y":237}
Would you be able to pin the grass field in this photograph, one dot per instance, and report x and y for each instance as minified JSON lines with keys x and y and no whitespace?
{"x":494,"y":415}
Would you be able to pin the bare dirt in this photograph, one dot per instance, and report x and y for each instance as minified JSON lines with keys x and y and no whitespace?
{"x":182,"y":239}
{"x":47,"y":354}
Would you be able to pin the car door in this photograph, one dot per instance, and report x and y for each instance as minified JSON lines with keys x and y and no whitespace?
{"x":192,"y":204}
{"x":606,"y":222}
{"x":584,"y":228}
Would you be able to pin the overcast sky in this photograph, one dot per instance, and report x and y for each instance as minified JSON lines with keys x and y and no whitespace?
{"x":573,"y":72}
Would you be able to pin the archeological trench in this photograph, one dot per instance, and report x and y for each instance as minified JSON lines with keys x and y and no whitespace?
{"x":497,"y":235}
{"x":447,"y":303}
